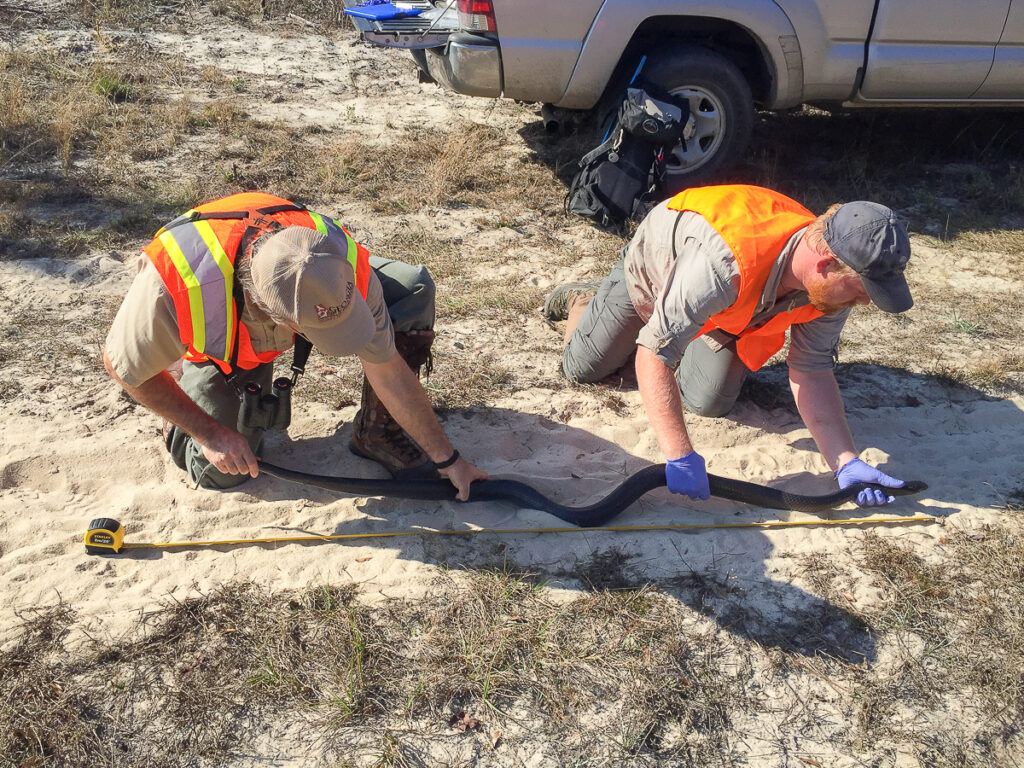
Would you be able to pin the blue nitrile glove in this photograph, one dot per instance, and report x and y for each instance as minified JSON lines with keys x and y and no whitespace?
{"x":856,"y":471}
{"x":688,"y":476}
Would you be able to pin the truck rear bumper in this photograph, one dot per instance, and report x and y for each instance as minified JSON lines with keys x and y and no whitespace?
{"x":468,"y":64}
{"x":465,"y":62}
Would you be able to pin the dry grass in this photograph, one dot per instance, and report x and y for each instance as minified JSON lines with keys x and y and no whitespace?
{"x":467,"y":165}
{"x":73,"y":130}
{"x":623,"y":675}
{"x":97,"y":120}
{"x":958,"y":626}
{"x":202,"y":676}
{"x":1006,"y":242}
{"x":961,"y":170}
{"x":953,"y":630}
{"x":141,"y":14}
{"x":469,"y":380}
{"x":445,"y":260}
{"x":107,"y":106}
{"x":459,"y":380}
{"x":64,"y":347}
{"x":996,"y":374}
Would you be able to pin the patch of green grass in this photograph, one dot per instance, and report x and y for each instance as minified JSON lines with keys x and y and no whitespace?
{"x":112,"y":87}
{"x":963,"y":325}
{"x":465,"y":382}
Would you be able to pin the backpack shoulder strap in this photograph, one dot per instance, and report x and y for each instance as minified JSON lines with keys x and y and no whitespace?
{"x":192,"y":216}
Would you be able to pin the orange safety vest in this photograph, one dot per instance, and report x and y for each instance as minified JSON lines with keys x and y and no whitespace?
{"x":195,"y":256}
{"x":756,"y":224}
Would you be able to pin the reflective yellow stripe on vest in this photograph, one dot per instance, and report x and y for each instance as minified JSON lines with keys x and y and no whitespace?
{"x":329,"y":227}
{"x":228,"y":272}
{"x":208,"y":281}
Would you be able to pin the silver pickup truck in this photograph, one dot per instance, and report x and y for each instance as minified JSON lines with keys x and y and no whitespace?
{"x":724,"y":57}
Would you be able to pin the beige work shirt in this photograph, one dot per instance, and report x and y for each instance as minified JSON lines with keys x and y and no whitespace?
{"x":676,"y":291}
{"x":144,"y":338}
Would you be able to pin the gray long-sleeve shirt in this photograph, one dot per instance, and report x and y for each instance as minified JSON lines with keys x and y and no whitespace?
{"x":677,"y":290}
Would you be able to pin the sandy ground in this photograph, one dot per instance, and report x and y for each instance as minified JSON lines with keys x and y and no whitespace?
{"x":72,"y":448}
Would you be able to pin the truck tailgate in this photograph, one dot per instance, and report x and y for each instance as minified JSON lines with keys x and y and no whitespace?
{"x":429,"y":29}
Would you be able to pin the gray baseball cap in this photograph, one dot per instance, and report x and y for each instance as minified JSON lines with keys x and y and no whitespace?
{"x":869,"y":238}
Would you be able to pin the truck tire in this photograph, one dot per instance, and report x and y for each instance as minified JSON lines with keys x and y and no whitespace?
{"x":721,"y":104}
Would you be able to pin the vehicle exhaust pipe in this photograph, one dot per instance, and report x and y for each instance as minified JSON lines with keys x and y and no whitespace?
{"x":547,"y":114}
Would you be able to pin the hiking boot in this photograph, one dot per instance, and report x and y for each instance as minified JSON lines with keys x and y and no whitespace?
{"x":414,"y":347}
{"x":557,"y":305}
{"x":375,"y":433}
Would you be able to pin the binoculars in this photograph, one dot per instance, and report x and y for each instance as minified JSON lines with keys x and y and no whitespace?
{"x":270,"y":411}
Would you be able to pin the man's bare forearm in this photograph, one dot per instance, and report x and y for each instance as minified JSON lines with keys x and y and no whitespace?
{"x":402,"y":394}
{"x":162,"y":395}
{"x":223,"y":447}
{"x":821,"y":408}
{"x":664,"y":406}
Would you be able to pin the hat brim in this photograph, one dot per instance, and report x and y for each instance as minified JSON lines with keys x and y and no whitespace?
{"x":347,"y":336}
{"x":892,"y":295}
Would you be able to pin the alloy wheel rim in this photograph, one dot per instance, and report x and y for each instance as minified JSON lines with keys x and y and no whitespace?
{"x":709,"y":131}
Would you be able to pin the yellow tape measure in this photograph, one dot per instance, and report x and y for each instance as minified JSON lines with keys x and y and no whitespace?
{"x":105,"y":535}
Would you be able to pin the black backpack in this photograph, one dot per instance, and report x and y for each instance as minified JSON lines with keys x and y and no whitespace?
{"x":620,"y":178}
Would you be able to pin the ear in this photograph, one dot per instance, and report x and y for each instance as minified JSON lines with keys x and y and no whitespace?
{"x":823,"y":263}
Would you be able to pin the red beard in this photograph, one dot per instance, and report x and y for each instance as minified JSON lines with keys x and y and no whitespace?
{"x":819,"y":293}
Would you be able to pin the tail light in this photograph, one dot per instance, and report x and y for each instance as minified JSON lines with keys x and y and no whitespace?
{"x":477,"y":16}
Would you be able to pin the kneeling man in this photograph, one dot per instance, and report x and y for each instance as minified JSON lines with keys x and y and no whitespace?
{"x":235,"y":282}
{"x":704,"y":294}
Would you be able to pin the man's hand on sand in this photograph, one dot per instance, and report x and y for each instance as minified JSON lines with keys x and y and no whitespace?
{"x":856,"y":471}
{"x":230,"y":453}
{"x":688,"y":476}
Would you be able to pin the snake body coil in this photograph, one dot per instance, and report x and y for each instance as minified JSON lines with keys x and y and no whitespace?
{"x":598,"y":513}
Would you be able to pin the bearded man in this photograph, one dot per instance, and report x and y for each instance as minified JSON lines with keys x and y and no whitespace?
{"x":704,"y":293}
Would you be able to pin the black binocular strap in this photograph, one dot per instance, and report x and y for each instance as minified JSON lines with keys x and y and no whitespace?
{"x":300,"y":356}
{"x":232,"y":376}
{"x":303,"y":347}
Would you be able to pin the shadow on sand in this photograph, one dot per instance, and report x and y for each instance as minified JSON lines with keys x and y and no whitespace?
{"x":719,"y":573}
